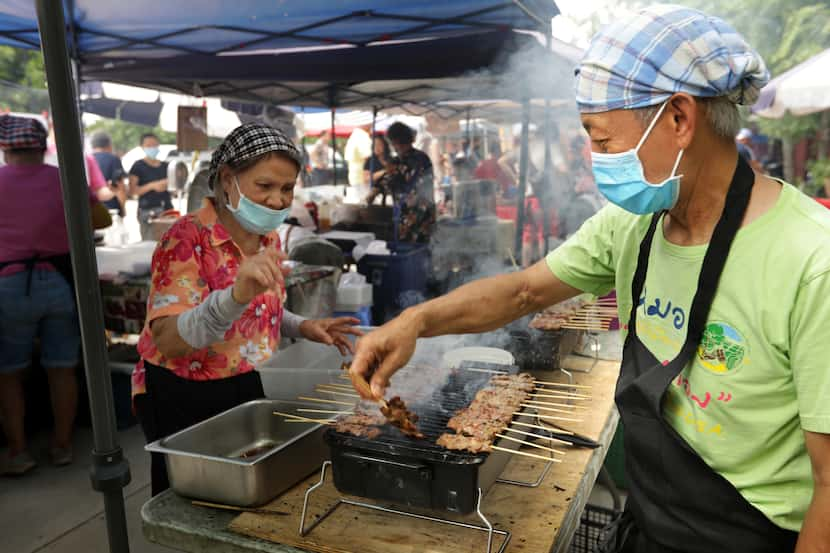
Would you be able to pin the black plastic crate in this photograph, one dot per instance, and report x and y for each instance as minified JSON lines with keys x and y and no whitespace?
{"x":596,"y":522}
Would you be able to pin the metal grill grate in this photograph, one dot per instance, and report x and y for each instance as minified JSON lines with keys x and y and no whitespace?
{"x":433,"y":414}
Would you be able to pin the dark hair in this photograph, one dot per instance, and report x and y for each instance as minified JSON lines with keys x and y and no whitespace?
{"x":26,"y":151}
{"x":101,"y":140}
{"x":383,"y":141}
{"x":147,"y":135}
{"x":400,"y":133}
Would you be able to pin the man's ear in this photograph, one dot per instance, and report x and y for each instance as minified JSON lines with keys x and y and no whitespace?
{"x":685,"y":113}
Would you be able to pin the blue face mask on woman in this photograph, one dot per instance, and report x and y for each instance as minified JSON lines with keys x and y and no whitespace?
{"x":254,"y":217}
{"x":621,"y":179}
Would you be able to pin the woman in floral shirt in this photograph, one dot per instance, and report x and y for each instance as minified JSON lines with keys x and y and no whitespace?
{"x":215,"y":308}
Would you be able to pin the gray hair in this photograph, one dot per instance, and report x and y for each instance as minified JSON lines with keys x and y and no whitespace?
{"x":721,"y":113}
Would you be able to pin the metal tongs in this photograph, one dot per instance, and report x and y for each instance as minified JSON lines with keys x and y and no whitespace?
{"x":362,"y":386}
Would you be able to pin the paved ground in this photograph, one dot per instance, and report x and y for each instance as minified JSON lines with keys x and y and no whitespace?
{"x":55,"y":510}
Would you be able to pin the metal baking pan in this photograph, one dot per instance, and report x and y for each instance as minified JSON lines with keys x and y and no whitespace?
{"x":204,"y":461}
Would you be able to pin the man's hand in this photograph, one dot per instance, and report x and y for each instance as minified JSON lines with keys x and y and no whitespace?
{"x":382,"y":352}
{"x":332,"y":332}
{"x":258,"y":274}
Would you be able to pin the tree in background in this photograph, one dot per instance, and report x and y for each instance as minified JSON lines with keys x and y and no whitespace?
{"x":785,"y":33}
{"x":125,"y":136}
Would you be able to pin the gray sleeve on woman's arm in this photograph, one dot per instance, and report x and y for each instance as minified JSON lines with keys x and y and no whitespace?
{"x":290,"y":325}
{"x":208,"y":322}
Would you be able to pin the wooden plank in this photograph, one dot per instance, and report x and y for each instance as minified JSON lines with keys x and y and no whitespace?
{"x":541,"y":519}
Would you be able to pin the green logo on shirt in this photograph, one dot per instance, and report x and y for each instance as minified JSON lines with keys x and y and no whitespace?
{"x":722,"y":348}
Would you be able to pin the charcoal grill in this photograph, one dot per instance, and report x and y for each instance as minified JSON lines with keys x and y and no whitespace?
{"x":418,"y":473}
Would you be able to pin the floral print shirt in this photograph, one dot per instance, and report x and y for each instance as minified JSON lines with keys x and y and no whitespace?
{"x":195,"y":257}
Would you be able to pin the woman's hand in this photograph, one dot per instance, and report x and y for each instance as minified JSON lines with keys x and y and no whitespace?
{"x":332,"y":332}
{"x":259,"y":273}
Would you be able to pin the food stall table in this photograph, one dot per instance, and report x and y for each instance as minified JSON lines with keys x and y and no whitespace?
{"x":540,"y":519}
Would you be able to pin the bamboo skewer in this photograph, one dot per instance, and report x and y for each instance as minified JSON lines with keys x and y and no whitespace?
{"x":338,"y":386}
{"x":297,"y":418}
{"x":531,"y":444}
{"x":514,"y":452}
{"x":562,"y":395}
{"x":556,"y":440}
{"x":256,"y":510}
{"x":327,"y":411}
{"x":550,"y":417}
{"x":561,"y":384}
{"x":320,"y":400}
{"x":536,"y":436}
{"x":542,"y":404}
{"x":540,"y":427}
{"x":552,"y":409}
{"x":322,"y":391}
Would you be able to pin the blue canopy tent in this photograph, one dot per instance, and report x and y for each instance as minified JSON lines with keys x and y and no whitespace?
{"x":75,"y":33}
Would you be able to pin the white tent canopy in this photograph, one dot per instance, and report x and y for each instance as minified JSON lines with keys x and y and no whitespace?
{"x":802,"y":90}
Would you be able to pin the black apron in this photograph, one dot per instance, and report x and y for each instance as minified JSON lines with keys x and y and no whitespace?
{"x":61,"y":262}
{"x":676,"y":502}
{"x":172,"y":403}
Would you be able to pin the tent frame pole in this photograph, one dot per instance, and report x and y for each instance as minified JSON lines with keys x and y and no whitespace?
{"x":547,"y":193}
{"x":374,"y":130}
{"x":110,"y":471}
{"x":524,"y":157}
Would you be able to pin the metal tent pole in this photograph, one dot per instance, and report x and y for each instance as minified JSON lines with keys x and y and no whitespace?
{"x":546,"y":193}
{"x":110,"y":471}
{"x":333,"y":148}
{"x":523,"y":163}
{"x":371,"y":155}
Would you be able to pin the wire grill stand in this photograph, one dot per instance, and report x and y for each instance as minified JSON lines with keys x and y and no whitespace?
{"x":488,"y":527}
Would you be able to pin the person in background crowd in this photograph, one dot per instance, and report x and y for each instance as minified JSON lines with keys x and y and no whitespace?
{"x":743,"y":140}
{"x":94,"y":177}
{"x":490,"y":169}
{"x":320,"y":154}
{"x":585,"y":200}
{"x":215,"y":309}
{"x":374,"y":169}
{"x":37,"y":301}
{"x":112,"y":170}
{"x":413,"y":186}
{"x":148,"y":181}
{"x":357,"y":151}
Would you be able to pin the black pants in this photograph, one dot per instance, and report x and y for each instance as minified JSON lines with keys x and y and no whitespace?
{"x":173,"y":403}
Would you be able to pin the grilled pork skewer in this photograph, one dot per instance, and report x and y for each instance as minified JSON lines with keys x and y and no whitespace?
{"x":394,"y":410}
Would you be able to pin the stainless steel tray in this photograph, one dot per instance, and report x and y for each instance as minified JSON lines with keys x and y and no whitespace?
{"x":203,"y":461}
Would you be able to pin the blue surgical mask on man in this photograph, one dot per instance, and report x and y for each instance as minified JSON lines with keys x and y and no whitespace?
{"x":621,"y":178}
{"x":151,"y":152}
{"x":254,"y":217}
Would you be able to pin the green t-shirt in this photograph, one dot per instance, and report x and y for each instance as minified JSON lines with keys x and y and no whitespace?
{"x":762,"y":370}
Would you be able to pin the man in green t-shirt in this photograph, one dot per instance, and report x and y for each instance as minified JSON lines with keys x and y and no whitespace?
{"x":722,"y":275}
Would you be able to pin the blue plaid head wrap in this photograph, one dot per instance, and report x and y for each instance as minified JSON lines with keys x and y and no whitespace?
{"x":641,"y":60}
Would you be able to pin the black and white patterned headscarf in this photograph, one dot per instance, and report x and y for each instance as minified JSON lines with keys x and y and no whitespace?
{"x":249,"y":141}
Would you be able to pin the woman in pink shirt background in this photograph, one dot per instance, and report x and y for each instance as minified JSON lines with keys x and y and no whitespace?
{"x":36,"y":294}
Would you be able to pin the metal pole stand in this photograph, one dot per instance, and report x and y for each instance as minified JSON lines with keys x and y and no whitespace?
{"x":538,"y":481}
{"x":488,"y":527}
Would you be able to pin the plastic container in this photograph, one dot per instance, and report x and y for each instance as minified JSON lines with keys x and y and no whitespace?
{"x":399,"y":280}
{"x":364,"y":314}
{"x":357,"y":295}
